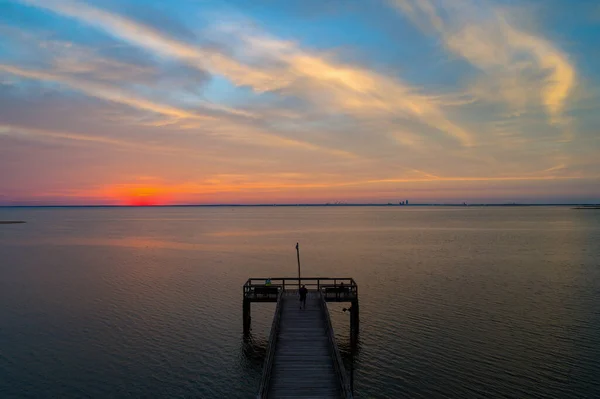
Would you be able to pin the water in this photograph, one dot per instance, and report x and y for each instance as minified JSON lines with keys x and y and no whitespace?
{"x":146,"y":302}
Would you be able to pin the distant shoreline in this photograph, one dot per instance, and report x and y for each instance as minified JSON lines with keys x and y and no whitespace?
{"x":573,"y":206}
{"x":11,"y":221}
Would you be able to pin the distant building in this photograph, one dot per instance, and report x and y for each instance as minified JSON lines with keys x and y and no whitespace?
{"x":406,"y":202}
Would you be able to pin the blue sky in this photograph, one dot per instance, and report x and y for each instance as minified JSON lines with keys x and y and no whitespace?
{"x":300,"y":101}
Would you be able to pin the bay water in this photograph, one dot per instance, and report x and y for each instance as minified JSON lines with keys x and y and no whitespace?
{"x":461,"y":302}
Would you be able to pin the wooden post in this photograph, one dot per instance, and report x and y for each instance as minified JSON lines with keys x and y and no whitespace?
{"x":352,"y":347}
{"x":246,"y":316}
{"x":354,"y":319}
{"x":298,"y":256}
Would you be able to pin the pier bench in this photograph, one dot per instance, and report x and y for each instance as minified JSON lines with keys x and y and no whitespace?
{"x":266,"y":290}
{"x":337,"y":290}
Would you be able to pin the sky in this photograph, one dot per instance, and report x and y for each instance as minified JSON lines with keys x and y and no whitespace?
{"x":131,"y":102}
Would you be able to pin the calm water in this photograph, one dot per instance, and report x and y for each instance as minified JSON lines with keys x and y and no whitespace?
{"x":146,"y":302}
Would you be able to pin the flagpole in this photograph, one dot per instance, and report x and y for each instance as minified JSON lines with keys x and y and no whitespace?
{"x":298,"y":255}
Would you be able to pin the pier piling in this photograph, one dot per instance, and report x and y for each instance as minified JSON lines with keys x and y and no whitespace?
{"x":247,"y":315}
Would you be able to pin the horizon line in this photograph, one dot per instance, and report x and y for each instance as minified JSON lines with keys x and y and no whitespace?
{"x":449,"y":204}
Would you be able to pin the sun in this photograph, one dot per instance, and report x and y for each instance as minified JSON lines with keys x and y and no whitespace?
{"x":143,"y":196}
{"x":141,"y":201}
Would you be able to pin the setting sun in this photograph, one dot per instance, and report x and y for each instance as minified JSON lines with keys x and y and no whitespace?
{"x":137,"y":195}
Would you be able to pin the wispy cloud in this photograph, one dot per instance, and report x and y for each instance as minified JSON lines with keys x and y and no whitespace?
{"x":223,"y":103}
{"x":69,"y":59}
{"x":158,"y":43}
{"x":105,"y":92}
{"x":280,"y":65}
{"x":48,"y":134}
{"x":180,"y":117}
{"x":520,"y":67}
{"x":355,"y":90}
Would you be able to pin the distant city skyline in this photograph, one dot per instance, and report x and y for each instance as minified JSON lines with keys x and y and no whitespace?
{"x":121,"y":102}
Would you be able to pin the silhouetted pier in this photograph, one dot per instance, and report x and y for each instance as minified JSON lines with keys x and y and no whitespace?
{"x":302,"y":358}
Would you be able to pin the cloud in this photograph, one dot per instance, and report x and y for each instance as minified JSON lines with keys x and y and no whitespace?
{"x":473,"y":179}
{"x":113,"y":62}
{"x":105,"y":92}
{"x":180,"y":117}
{"x":279,"y":65}
{"x":69,"y":59}
{"x":519,"y":66}
{"x":14,"y":130}
{"x":234,"y":103}
{"x":361,"y":92}
{"x":336,"y":87}
{"x":152,"y":40}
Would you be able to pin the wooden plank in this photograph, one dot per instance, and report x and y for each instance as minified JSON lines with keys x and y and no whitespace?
{"x":303,"y":364}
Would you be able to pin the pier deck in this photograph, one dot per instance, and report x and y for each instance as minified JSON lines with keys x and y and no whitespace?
{"x":303,"y":360}
{"x":303,"y":365}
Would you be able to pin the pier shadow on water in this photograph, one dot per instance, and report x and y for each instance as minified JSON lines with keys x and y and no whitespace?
{"x":253,"y":352}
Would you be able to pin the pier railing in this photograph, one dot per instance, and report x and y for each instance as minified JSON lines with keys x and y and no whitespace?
{"x":338,"y":363}
{"x":256,"y":287}
{"x":277,"y":289}
{"x":263,"y":390}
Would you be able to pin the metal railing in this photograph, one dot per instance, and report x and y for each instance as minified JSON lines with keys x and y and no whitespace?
{"x":294,"y":283}
{"x":338,"y":363}
{"x":263,"y":390}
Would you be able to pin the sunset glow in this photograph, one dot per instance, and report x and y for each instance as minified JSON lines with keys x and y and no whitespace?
{"x":142,"y":196}
{"x":144,"y":103}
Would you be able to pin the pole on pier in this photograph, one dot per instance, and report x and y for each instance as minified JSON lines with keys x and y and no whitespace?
{"x":298,"y":256}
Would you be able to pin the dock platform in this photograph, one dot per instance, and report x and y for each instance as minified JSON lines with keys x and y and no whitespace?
{"x":303,"y":360}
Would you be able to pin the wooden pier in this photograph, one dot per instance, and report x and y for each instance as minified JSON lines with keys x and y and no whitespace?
{"x":302,"y":360}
